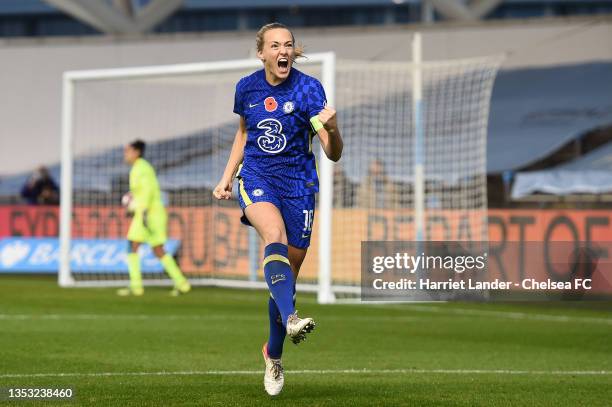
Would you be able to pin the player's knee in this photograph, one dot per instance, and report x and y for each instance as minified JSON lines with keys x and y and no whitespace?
{"x":133,"y":247}
{"x":274,"y":234}
{"x":159,"y":251}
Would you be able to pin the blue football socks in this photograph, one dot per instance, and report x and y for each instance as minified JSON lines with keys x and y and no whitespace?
{"x":279,"y":277}
{"x":277,"y":330}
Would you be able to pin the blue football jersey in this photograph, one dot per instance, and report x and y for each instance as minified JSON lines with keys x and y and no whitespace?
{"x":279,"y":133}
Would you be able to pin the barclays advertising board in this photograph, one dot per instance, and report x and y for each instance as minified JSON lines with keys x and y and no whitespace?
{"x":41,"y":255}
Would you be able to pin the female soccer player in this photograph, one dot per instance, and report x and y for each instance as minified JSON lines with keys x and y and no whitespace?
{"x":149,"y":222}
{"x":280,"y":110}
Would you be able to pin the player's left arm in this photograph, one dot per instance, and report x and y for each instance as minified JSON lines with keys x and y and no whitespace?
{"x":329,"y":134}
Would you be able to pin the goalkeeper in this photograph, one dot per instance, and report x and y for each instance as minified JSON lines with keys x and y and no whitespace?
{"x":149,"y":222}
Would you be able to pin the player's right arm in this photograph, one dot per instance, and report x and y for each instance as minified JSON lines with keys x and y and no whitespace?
{"x":142,"y":186}
{"x":223,"y":190}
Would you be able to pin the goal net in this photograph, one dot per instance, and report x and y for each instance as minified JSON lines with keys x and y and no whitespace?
{"x":184,"y":114}
{"x":391,"y":127}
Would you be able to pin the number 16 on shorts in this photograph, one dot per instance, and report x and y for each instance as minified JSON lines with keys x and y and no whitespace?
{"x":308,"y":218}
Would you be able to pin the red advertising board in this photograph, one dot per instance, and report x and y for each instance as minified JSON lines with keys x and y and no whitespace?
{"x":214,"y":241}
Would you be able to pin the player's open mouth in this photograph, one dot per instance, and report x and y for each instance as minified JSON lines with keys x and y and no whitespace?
{"x":283,"y":65}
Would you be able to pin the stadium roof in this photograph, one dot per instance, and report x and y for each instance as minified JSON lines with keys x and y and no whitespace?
{"x":25,"y":7}
{"x":139,"y":16}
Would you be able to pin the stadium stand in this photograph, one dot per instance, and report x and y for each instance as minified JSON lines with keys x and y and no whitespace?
{"x":560,"y":104}
{"x":36,"y":18}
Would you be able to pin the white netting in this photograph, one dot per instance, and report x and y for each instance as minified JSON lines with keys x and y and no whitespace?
{"x":374,"y":195}
{"x":188,"y":123}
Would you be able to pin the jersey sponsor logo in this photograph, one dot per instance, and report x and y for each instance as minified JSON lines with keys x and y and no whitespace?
{"x":277,"y":277}
{"x":273,"y":141}
{"x":288,"y":107}
{"x":270,"y":104}
{"x":258,"y":192}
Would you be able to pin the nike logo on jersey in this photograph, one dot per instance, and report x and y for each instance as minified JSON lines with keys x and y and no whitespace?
{"x":253,"y":105}
{"x":305,"y":236}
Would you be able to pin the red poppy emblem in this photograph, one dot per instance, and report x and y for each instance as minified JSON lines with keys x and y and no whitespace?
{"x":270,"y":104}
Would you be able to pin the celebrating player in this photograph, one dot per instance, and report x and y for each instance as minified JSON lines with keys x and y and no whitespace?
{"x":149,"y":222}
{"x":281,"y":109}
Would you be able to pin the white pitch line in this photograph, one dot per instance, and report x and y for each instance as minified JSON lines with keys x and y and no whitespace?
{"x":511,"y":315}
{"x":316,"y":372}
{"x":144,"y":317}
{"x":223,"y":317}
{"x":215,"y":317}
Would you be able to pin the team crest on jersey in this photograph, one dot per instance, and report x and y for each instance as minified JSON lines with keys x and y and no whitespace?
{"x":273,"y":140}
{"x":288,"y":107}
{"x":270,"y":104}
{"x":258,"y":192}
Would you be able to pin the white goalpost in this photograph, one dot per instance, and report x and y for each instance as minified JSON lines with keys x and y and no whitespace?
{"x":413,"y":167}
{"x":320,"y":65}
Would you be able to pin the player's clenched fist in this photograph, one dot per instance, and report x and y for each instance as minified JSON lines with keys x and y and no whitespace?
{"x":327,"y":116}
{"x":223,"y":190}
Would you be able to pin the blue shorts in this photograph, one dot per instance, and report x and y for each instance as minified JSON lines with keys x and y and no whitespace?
{"x":297,"y":213}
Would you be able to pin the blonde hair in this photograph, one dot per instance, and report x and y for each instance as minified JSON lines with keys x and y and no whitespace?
{"x":298,"y":50}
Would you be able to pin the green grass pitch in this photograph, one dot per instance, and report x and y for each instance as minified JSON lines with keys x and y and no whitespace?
{"x":204,"y":349}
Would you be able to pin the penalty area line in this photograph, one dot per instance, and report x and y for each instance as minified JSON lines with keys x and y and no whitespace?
{"x":316,"y":372}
